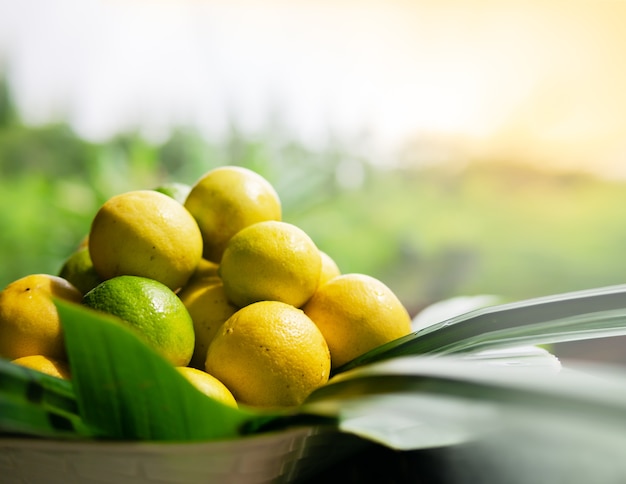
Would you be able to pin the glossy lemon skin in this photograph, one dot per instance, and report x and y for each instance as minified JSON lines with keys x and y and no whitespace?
{"x":269,"y":354}
{"x":145,"y":233}
{"x":29,"y":321}
{"x":271,"y":261}
{"x":228,"y":199}
{"x":356,"y":313}
{"x":209,"y":385}
{"x":45,"y":364}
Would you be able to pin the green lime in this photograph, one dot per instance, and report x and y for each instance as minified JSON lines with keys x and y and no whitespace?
{"x":176,"y":190}
{"x":150,"y":308}
{"x":78,"y":270}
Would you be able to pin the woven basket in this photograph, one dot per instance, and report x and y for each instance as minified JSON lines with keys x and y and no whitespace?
{"x":286,"y":456}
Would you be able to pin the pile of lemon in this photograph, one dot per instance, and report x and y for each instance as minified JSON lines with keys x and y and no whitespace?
{"x":244,"y":304}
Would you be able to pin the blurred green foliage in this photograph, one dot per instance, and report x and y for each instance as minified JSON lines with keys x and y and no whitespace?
{"x":429,"y":233}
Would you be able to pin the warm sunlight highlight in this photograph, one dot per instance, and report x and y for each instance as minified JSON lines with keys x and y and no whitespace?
{"x":530,"y":81}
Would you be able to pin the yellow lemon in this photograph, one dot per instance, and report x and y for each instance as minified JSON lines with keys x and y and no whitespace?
{"x":270,"y":261}
{"x":356,"y":313}
{"x":330,"y":268}
{"x":206,"y":270}
{"x":227,"y":199}
{"x":45,"y":364}
{"x":269,"y":354}
{"x":152,"y":310}
{"x":78,"y":270}
{"x":209,"y":307}
{"x":145,"y":233}
{"x":29,"y":321}
{"x":209,"y":385}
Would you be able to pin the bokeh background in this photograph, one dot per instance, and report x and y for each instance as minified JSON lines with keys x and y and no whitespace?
{"x":446,"y":147}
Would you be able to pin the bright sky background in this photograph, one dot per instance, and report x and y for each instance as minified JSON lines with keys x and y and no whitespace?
{"x":543,"y":81}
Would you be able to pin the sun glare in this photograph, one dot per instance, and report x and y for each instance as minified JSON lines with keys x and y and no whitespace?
{"x":538,"y":81}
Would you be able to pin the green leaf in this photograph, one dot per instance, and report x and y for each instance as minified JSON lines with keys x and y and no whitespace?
{"x":596,"y":313}
{"x":523,"y":356}
{"x":418,"y":402}
{"x":129,"y":391}
{"x":37,"y":404}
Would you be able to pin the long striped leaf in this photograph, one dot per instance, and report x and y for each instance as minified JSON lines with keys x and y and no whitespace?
{"x":596,"y":313}
{"x":425,"y":401}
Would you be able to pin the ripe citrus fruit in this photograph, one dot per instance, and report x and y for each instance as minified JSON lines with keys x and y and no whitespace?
{"x":270,"y":261}
{"x":209,"y":385}
{"x":45,"y":364}
{"x":269,"y":354}
{"x":356,"y":313}
{"x":209,"y":307}
{"x":206,"y":270}
{"x":145,"y":233}
{"x":29,"y":321}
{"x":79,"y":271}
{"x":227,"y":199}
{"x":152,"y":310}
{"x":329,"y":268}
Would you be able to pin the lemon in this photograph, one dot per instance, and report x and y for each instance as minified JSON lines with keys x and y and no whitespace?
{"x":209,"y":385}
{"x":206,"y":270}
{"x":356,"y":313}
{"x":269,"y":354}
{"x":45,"y":364}
{"x":227,"y":199}
{"x":209,"y":307}
{"x":145,"y":233}
{"x":29,"y":321}
{"x":270,"y":261}
{"x":151,"y":309}
{"x":176,"y":190}
{"x":78,"y":270}
{"x":329,"y":269}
